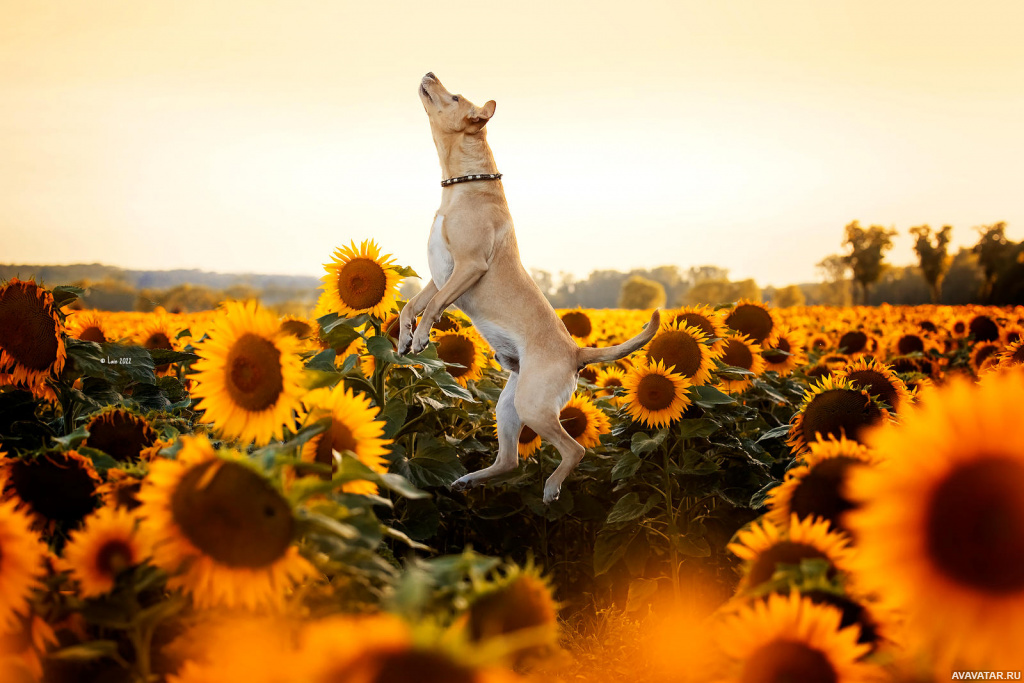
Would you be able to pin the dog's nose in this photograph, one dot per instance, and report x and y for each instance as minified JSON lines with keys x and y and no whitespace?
{"x":431,"y":76}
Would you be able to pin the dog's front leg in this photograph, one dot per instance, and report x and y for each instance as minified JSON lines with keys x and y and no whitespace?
{"x":464,"y":275}
{"x":407,"y":319}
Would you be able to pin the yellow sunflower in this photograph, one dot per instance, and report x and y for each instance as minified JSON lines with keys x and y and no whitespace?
{"x":579,"y":325}
{"x":354,"y":428}
{"x":608,"y":379}
{"x":159,"y":331}
{"x":833,"y":408}
{"x":983,"y":328}
{"x":1012,"y":355}
{"x":789,"y":638}
{"x":941,"y":525}
{"x":21,"y":562}
{"x":23,"y":648}
{"x":704,"y":318}
{"x":235,"y":647}
{"x":855,"y":343}
{"x":109,"y":543}
{"x":522,"y":599}
{"x":816,"y":488}
{"x":905,"y":342}
{"x":31,"y":335}
{"x":742,"y":352}
{"x":655,"y":396}
{"x":248,"y":374}
{"x":123,"y":435}
{"x":786,"y":354}
{"x":584,"y":421}
{"x":753,"y":319}
{"x":462,"y":348}
{"x":763,"y":546}
{"x":879,"y":380}
{"x":220,"y":529}
{"x":684,"y":351}
{"x":528,"y":443}
{"x":88,"y":326}
{"x":984,"y":355}
{"x":59,"y":487}
{"x":360,"y":280}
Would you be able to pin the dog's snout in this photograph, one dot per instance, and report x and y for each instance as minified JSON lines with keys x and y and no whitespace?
{"x":431,"y":76}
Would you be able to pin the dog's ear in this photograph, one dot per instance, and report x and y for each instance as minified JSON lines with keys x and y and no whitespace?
{"x":479,"y":116}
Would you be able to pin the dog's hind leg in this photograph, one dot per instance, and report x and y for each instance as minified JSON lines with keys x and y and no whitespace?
{"x":539,"y":401}
{"x":509,"y":427}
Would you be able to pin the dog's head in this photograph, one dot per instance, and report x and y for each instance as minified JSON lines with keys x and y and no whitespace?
{"x":452,"y":114}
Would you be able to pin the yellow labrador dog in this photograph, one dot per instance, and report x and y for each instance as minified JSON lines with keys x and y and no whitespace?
{"x":474,"y":264}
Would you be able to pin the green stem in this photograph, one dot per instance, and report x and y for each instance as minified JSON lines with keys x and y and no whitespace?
{"x":379,"y":368}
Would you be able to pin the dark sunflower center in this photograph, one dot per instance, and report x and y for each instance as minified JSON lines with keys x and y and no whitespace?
{"x":93,"y":334}
{"x":578,"y":324}
{"x":526,"y":435}
{"x":589,"y":374}
{"x":783,"y":552}
{"x":452,"y":348}
{"x":783,"y":661}
{"x":909,"y":343}
{"x":983,"y":353}
{"x":362,"y":283}
{"x":877,"y":384}
{"x":297,"y":328}
{"x":820,"y":492}
{"x":678,"y":351}
{"x":819,"y":372}
{"x":853,"y":613}
{"x":819,"y":344}
{"x":975,"y":525}
{"x":738,"y":354}
{"x":525,"y":603}
{"x":984,"y":328}
{"x":114,"y":557}
{"x":445,"y":324}
{"x":928,"y":326}
{"x":753,"y":321}
{"x":120,"y":435}
{"x":698,"y":321}
{"x":158,"y":340}
{"x":613,"y":382}
{"x":234,"y":517}
{"x":853,"y":342}
{"x":655,"y":392}
{"x":904,"y":365}
{"x":27,"y":329}
{"x":56,"y":486}
{"x":338,"y":437}
{"x":573,"y":420}
{"x":837,"y":412}
{"x":254,"y":378}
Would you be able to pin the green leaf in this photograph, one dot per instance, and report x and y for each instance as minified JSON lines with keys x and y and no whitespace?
{"x":640,"y":593}
{"x":626,"y":508}
{"x":73,"y":439}
{"x":168,"y":356}
{"x":697,"y":428}
{"x":610,"y":547}
{"x":626,"y":466}
{"x":405,"y":271}
{"x":692,"y":545}
{"x":401,"y":536}
{"x":100,"y":460}
{"x":94,"y":649}
{"x":323,"y":361}
{"x":757,"y":501}
{"x":447,"y":384}
{"x":394,"y":415}
{"x":777,"y":432}
{"x":641,"y":443}
{"x":332,"y":321}
{"x":65,"y":294}
{"x":341,"y":337}
{"x":709,"y":397}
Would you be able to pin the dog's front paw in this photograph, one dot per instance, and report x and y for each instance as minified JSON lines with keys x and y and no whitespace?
{"x":463,"y":483}
{"x":419,"y":343}
{"x":551,"y":493}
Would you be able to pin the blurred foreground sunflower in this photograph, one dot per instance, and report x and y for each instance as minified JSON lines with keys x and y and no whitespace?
{"x":21,"y":562}
{"x":109,"y":542}
{"x":123,"y":435}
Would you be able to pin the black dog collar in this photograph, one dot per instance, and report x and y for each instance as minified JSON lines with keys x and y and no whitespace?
{"x":470,"y":178}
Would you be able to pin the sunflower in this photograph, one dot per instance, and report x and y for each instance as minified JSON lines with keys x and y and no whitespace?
{"x":876,"y":623}
{"x":941,"y":524}
{"x":123,"y":435}
{"x":684,"y":351}
{"x":220,"y":529}
{"x":655,"y":396}
{"x":31,"y":335}
{"x":21,"y":562}
{"x":820,"y":342}
{"x":462,"y":348}
{"x":983,"y":328}
{"x":528,"y":443}
{"x":815,"y":489}
{"x":584,"y":421}
{"x":234,"y":647}
{"x":121,"y":489}
{"x":248,"y":374}
{"x":789,"y":638}
{"x":833,"y":408}
{"x":879,"y":380}
{"x":1011,"y":334}
{"x":59,"y":487}
{"x":360,"y":280}
{"x":753,"y":319}
{"x":1012,"y":355}
{"x":906,"y":342}
{"x":984,"y":355}
{"x":764,"y":546}
{"x":89,"y":326}
{"x":855,"y":343}
{"x":705,"y":319}
{"x":786,"y":354}
{"x":354,"y":428}
{"x":108,"y":543}
{"x":300,"y":328}
{"x":23,"y":648}
{"x":741,"y":352}
{"x":520,"y":600}
{"x":579,"y":325}
{"x":159,"y":331}
{"x":608,"y":379}
{"x":382,"y":649}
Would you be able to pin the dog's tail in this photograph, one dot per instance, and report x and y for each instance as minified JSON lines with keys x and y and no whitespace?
{"x":588,"y":355}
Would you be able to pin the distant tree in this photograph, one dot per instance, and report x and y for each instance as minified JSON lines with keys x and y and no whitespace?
{"x":639,"y":292}
{"x":722,"y":291}
{"x":672,"y":279}
{"x":964,"y":279}
{"x":109,"y":294}
{"x":867,"y":253}
{"x":933,"y":259}
{"x":184,"y":298}
{"x":994,"y":252}
{"x":789,"y":296}
{"x":835,"y":289}
{"x":699,"y":274}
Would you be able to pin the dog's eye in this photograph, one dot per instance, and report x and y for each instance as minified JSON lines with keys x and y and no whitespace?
{"x":455,"y":98}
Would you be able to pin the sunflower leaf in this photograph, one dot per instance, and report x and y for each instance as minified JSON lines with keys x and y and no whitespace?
{"x":626,"y":466}
{"x":405,"y":271}
{"x":709,"y":397}
{"x":72,"y":440}
{"x":697,"y":428}
{"x":641,"y":443}
{"x":94,"y":649}
{"x":640,"y":593}
{"x":334,"y":320}
{"x":404,"y":538}
{"x":777,"y":432}
{"x":626,"y":509}
{"x":65,"y":294}
{"x":394,"y":415}
{"x":610,"y":547}
{"x":100,"y":460}
{"x":323,"y":361}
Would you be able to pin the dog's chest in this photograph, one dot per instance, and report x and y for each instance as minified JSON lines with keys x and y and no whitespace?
{"x":438,"y":257}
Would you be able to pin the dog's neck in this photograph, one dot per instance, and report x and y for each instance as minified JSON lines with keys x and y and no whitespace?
{"x":464,"y":155}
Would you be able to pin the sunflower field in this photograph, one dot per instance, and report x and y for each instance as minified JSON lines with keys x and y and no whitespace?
{"x":769,"y":495}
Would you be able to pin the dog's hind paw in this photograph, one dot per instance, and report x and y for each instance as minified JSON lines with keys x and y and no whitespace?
{"x":551,"y":494}
{"x":462,"y":484}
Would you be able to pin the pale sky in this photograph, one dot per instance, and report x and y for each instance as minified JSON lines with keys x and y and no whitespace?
{"x":247,"y":135}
